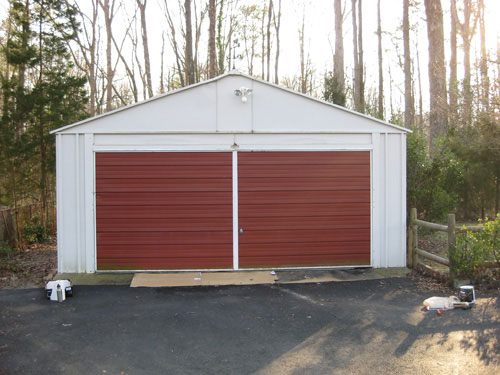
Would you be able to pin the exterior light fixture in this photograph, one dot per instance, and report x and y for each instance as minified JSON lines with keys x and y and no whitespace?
{"x":244,"y":92}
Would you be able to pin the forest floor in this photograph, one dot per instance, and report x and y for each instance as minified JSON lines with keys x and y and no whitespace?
{"x":29,"y":268}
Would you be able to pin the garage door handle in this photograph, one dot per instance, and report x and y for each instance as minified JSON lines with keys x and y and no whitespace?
{"x":241,"y":230}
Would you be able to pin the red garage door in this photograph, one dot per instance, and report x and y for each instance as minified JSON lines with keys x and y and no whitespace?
{"x":303,"y":209}
{"x":164,"y":210}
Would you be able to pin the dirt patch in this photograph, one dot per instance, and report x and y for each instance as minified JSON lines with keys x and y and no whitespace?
{"x":29,"y":268}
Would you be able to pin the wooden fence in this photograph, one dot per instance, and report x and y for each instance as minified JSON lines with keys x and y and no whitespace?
{"x":12,"y":222}
{"x":414,"y":252}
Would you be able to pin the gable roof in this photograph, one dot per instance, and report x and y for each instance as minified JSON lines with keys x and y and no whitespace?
{"x":233,"y":73}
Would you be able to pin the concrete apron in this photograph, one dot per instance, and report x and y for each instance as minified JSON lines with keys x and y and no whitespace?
{"x":175,"y":279}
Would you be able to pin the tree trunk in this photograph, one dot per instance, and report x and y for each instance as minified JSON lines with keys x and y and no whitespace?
{"x":263,"y":53}
{"x":467,"y":32}
{"x":453,"y":85}
{"x":420,"y":95}
{"x":212,"y":55}
{"x":338,"y":59}
{"x":361,"y":64}
{"x":189,"y":44}
{"x":277,"y":25}
{"x":41,"y":128}
{"x":145,"y":46}
{"x":409,"y":117}
{"x":355,"y":91}
{"x":108,"y":19}
{"x":303,"y":78}
{"x":162,"y":74}
{"x":173,"y":41}
{"x":380,"y":61}
{"x":268,"y":37}
{"x":220,"y":42}
{"x":485,"y":80}
{"x":358,"y":56}
{"x":438,"y":120}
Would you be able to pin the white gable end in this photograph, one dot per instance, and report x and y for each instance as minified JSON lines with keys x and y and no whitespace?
{"x":213,"y":107}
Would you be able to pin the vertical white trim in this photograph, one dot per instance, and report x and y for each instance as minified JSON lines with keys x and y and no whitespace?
{"x":59,"y":202}
{"x":386,"y":187}
{"x":235,"y":212}
{"x":403,"y":198}
{"x":89,"y":204}
{"x":375,"y":196}
{"x":78,"y":212}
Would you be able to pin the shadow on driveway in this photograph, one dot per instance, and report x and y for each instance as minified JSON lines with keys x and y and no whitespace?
{"x":362,"y":327}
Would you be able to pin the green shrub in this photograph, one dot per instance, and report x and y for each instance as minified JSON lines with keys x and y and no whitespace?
{"x":5,"y":248}
{"x":433,"y":183}
{"x":475,"y":249}
{"x":35,"y":231}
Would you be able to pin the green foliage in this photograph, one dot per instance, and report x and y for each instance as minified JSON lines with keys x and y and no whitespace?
{"x":479,"y":149}
{"x":5,"y":249}
{"x":41,"y":93}
{"x":474,"y":249}
{"x":35,"y":231}
{"x":332,"y":90}
{"x":433,"y":184}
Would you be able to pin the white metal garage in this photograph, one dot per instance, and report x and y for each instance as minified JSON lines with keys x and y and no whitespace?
{"x":230,"y":173}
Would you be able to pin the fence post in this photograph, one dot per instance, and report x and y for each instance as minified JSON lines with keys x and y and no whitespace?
{"x":413,"y":239}
{"x":452,"y":243}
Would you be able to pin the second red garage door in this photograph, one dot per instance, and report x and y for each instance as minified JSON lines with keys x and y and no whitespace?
{"x":164,"y":210}
{"x":304,"y":209}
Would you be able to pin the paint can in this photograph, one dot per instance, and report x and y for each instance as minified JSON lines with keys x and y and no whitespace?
{"x":467,"y":294}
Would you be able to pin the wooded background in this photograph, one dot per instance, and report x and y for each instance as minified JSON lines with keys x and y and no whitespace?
{"x":436,"y":73}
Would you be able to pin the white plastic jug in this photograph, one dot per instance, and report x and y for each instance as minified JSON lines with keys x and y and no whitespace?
{"x":58,"y":290}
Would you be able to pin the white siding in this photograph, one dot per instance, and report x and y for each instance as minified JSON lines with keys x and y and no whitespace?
{"x":213,"y":107}
{"x":76,"y":237}
{"x":75,"y":234}
{"x":209,"y":117}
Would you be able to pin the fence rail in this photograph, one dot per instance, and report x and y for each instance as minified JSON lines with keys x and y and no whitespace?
{"x":414,"y":252}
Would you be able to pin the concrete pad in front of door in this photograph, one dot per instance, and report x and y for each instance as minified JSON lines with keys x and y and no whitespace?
{"x":263,"y":277}
{"x":202,"y":278}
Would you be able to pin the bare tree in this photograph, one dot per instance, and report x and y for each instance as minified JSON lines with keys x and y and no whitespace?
{"x":128,"y":64}
{"x":453,"y":84}
{"x":338,"y":59}
{"x":87,"y":42}
{"x":268,"y":37}
{"x":144,"y":32}
{"x":409,"y":102}
{"x":303,"y":72}
{"x":212,"y":55}
{"x":250,"y":33}
{"x":359,"y":96}
{"x":162,"y":73}
{"x":108,"y":7}
{"x":226,"y":26}
{"x":485,"y":80}
{"x":380,"y":64}
{"x":277,"y":25}
{"x":467,"y":30}
{"x":189,"y":44}
{"x":263,"y":53}
{"x":179,"y":58}
{"x":438,"y":120}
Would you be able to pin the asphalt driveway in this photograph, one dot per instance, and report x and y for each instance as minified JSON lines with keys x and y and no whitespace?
{"x":362,"y":327}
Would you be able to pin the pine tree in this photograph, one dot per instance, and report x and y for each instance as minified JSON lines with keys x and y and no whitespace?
{"x":40,"y":92}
